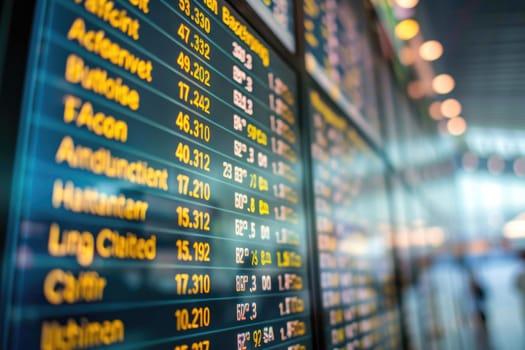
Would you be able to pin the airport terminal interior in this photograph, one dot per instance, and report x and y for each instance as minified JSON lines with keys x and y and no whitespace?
{"x":317,"y":174}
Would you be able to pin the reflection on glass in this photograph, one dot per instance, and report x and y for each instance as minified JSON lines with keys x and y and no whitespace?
{"x":352,"y":232}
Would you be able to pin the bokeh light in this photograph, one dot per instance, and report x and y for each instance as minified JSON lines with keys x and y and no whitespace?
{"x":451,"y":108}
{"x":407,"y":29}
{"x":435,"y":110}
{"x":407,"y":4}
{"x":431,"y":50}
{"x":443,"y":84}
{"x":456,"y":126}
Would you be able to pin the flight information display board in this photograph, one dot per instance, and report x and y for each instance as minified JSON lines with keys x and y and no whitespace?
{"x":339,"y":56}
{"x":356,"y":273}
{"x":278,"y":15}
{"x":159,"y":201}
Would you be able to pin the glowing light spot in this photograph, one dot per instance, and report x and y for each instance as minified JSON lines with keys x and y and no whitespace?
{"x":431,"y":50}
{"x":456,"y":126}
{"x":407,"y":4}
{"x":407,"y":29}
{"x":435,"y":110}
{"x":450,"y":108}
{"x":515,"y":229}
{"x":443,"y":84}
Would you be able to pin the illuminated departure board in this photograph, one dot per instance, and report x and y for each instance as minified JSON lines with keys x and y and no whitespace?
{"x":339,"y":57}
{"x":358,"y":297}
{"x":160,"y":184}
{"x":278,"y":14}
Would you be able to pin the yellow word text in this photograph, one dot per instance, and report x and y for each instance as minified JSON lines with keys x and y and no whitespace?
{"x":329,"y":115}
{"x":75,"y":110}
{"x":83,"y":335}
{"x":97,"y":80}
{"x":97,"y":43}
{"x":90,"y":201}
{"x":243,"y":33}
{"x":64,"y":287}
{"x":102,"y":162}
{"x":107,"y":244}
{"x":118,"y":19}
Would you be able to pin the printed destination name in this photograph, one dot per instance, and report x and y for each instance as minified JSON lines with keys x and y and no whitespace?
{"x":90,"y":201}
{"x":95,"y":41}
{"x":82,"y":114}
{"x":98,"y":81}
{"x":106,"y":243}
{"x":102,"y":162}
{"x":118,"y":19}
{"x":80,"y":335}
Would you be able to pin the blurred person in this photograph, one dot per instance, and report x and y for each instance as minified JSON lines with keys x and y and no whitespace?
{"x":479,"y":314}
{"x":520,"y":283}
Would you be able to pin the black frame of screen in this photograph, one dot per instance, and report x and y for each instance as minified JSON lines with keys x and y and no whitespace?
{"x":16,"y":29}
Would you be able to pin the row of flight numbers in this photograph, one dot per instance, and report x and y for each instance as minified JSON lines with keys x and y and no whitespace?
{"x":197,"y":219}
{"x":201,"y":284}
{"x":201,"y":74}
{"x":200,"y":316}
{"x":202,"y":132}
{"x":203,"y":22}
{"x":258,"y":337}
{"x":200,"y":189}
{"x":201,"y":101}
{"x":201,"y":160}
{"x":256,"y":257}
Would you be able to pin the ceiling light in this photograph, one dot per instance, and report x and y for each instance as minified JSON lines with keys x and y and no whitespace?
{"x":407,"y":29}
{"x":450,"y":108}
{"x":431,"y":50}
{"x":514,"y":229}
{"x":407,"y":4}
{"x":456,"y":126}
{"x":443,"y":84}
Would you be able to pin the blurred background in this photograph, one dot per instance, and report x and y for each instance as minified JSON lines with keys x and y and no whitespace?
{"x":462,"y":65}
